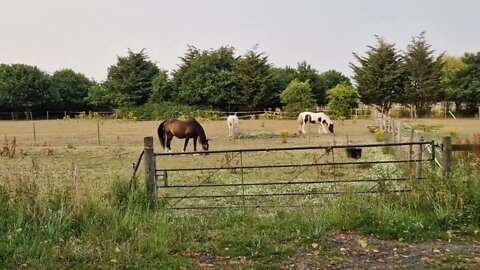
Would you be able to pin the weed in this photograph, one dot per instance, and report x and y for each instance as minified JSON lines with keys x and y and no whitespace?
{"x":9,"y":149}
{"x":284,"y":134}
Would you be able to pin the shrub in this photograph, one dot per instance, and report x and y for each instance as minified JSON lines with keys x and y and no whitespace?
{"x":399,"y":112}
{"x":342,"y":99}
{"x":379,"y":135}
{"x":297,"y":97}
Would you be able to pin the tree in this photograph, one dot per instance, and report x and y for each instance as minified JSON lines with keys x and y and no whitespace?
{"x":380,"y":76}
{"x":306,"y":73}
{"x":451,"y":65}
{"x":297,"y":97}
{"x":24,"y":87}
{"x":328,"y":80}
{"x":281,"y":77}
{"x":424,"y":74}
{"x":208,"y":78}
{"x":101,"y":98}
{"x":72,"y":88}
{"x":467,"y":80}
{"x":131,"y":78}
{"x":342,"y":99}
{"x":162,"y":89}
{"x":256,"y":81}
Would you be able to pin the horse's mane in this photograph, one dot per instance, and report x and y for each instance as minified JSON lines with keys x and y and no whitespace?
{"x":199,"y":130}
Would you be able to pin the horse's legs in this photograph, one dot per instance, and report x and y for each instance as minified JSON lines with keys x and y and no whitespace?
{"x":169,"y":139}
{"x":301,"y":129}
{"x":323,"y":128}
{"x":195,"y":144}
{"x":186,"y":143}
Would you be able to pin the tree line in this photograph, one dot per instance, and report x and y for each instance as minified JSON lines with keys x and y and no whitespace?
{"x":220,"y":79}
{"x":417,"y":78}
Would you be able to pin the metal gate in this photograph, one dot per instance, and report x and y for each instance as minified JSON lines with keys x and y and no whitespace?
{"x":286,"y":177}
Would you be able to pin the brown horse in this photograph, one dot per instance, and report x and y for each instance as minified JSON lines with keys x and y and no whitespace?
{"x":187,"y":129}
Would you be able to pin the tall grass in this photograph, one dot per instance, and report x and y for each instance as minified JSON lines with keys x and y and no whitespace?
{"x":128,"y":228}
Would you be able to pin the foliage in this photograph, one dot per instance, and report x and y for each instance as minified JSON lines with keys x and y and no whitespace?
{"x":162,"y":89}
{"x":379,"y":135}
{"x":380,"y":75}
{"x":72,"y":88}
{"x":297,"y":97}
{"x":24,"y":87}
{"x":451,"y":65}
{"x":328,"y":80}
{"x":256,"y":81}
{"x":281,"y":78}
{"x":306,"y":73}
{"x":342,"y":99}
{"x":208,"y":78}
{"x":399,"y":112}
{"x":424,"y":74}
{"x":101,"y":97}
{"x":131,"y":78}
{"x":158,"y":111}
{"x":467,"y":81}
{"x":284,"y":134}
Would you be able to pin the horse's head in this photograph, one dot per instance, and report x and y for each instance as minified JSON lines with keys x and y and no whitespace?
{"x":205,"y":145}
{"x":330,"y":128}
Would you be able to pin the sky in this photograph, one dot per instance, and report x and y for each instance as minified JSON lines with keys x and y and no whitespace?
{"x":88,"y":35}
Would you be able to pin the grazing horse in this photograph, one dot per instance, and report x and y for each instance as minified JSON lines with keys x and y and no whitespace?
{"x":187,"y":129}
{"x":315,"y":118}
{"x":233,"y":123}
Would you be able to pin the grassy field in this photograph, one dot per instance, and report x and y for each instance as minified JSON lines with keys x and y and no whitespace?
{"x":68,"y":150}
{"x":437,"y":128}
{"x":66,"y":203}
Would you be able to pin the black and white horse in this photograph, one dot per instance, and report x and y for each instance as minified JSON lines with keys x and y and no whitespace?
{"x":326,"y":124}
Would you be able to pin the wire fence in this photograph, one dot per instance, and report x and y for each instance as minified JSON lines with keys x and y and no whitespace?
{"x":51,"y":115}
{"x":365,"y":112}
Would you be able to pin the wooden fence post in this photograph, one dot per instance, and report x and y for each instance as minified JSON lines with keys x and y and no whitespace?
{"x":420,"y":158}
{"x":34,"y":135}
{"x":399,"y":132}
{"x":447,"y":156}
{"x":150,"y":168}
{"x":98,"y":132}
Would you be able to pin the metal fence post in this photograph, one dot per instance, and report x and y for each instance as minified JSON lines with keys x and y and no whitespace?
{"x":150,"y":168}
{"x":447,"y":154}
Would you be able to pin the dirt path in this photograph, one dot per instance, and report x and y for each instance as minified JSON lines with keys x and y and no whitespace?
{"x":367,"y":252}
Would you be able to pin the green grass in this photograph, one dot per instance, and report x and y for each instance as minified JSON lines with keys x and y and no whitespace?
{"x":128,"y":228}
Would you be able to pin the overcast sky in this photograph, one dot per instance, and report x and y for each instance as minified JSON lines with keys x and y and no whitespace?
{"x":88,"y":35}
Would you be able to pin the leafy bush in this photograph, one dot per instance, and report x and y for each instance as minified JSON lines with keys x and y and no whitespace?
{"x":379,"y":135}
{"x":156,"y":111}
{"x":399,"y":112}
{"x":342,"y":99}
{"x":297,"y":97}
{"x":438,"y":113}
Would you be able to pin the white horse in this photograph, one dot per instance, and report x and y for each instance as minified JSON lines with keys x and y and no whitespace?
{"x":315,"y":118}
{"x":233,"y":124}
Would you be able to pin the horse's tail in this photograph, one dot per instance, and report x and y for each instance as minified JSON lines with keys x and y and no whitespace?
{"x":300,"y":118}
{"x":161,"y":133}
